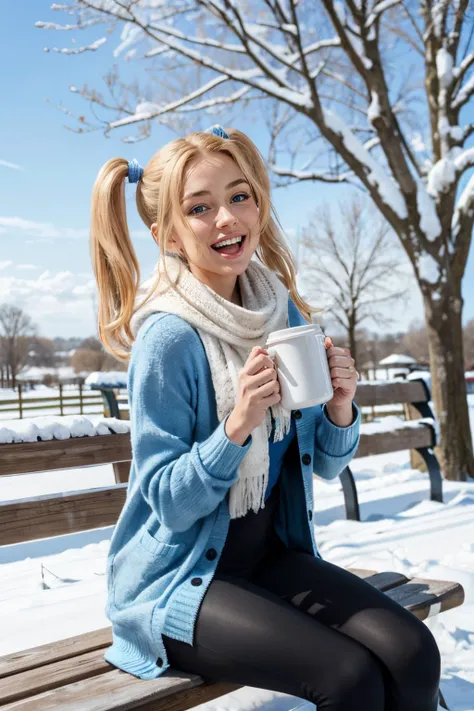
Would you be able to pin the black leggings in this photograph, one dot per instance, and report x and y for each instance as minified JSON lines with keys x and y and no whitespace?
{"x":284,"y":620}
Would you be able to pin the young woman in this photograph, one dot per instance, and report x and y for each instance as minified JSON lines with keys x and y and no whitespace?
{"x":213,"y":568}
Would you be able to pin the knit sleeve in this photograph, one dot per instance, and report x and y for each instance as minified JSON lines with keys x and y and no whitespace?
{"x":182,"y":480}
{"x":334,"y":446}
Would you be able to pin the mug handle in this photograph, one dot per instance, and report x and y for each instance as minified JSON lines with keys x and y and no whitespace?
{"x":273,"y":355}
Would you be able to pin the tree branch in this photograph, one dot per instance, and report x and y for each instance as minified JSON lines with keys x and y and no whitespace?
{"x":300,"y":175}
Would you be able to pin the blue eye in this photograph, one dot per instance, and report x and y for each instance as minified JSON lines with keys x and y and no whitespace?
{"x":195,"y":208}
{"x":201,"y":208}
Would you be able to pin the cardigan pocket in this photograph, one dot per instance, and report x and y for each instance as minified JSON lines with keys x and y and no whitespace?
{"x":158,"y":546}
{"x":141,"y":568}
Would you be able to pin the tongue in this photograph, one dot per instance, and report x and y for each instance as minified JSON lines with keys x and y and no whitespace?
{"x":229,"y":249}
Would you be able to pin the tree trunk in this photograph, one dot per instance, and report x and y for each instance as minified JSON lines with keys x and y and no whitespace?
{"x":444,"y":321}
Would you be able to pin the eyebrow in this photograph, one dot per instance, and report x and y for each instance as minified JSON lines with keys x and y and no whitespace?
{"x":199,"y":193}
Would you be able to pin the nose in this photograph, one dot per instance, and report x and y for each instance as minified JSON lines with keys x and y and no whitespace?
{"x":225,"y":217}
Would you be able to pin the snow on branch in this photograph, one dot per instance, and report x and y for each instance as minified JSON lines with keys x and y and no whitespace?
{"x":464,"y":160}
{"x":460,"y":71}
{"x":93,"y":47}
{"x":252,"y":77}
{"x":147,"y":111}
{"x":314,"y":47}
{"x":380,"y":8}
{"x":323,"y":177}
{"x":192,"y":39}
{"x":77,"y":26}
{"x":464,"y":207}
{"x":464,"y":94}
{"x":388,"y":190}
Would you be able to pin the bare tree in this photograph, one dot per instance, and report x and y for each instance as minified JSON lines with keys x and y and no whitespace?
{"x":42,"y":353}
{"x":367,"y":93}
{"x":469,"y":343}
{"x":16,"y":333}
{"x":350,"y":258}
{"x":415,"y":342}
{"x":91,"y":356}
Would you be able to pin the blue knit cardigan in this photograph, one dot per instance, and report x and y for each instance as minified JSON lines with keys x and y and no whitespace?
{"x":170,"y":534}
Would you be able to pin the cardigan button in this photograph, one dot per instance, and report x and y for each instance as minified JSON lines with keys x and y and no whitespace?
{"x":297,"y":414}
{"x":159,"y":662}
{"x":196,"y":581}
{"x":211,"y":554}
{"x":306,"y":459}
{"x":310,"y":515}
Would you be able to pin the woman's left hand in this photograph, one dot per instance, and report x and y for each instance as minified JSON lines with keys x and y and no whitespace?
{"x":344,"y":376}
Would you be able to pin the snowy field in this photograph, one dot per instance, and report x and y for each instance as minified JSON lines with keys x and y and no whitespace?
{"x":43,"y":391}
{"x":55,"y":588}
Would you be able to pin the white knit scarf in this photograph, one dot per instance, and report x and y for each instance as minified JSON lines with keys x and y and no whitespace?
{"x":228,"y":333}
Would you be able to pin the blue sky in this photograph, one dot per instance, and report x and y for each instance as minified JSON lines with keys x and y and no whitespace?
{"x":44,"y":201}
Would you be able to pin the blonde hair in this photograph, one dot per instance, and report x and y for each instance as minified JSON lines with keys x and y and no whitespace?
{"x":115,"y":263}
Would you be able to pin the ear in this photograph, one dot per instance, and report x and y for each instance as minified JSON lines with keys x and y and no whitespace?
{"x":153,"y":232}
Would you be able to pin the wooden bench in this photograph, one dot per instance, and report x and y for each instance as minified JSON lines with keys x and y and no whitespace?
{"x":419,"y":435}
{"x":71,"y":674}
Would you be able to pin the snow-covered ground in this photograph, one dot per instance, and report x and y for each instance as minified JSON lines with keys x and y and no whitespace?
{"x":55,"y":588}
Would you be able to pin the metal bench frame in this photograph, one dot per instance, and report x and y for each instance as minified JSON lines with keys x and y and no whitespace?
{"x":351,"y":500}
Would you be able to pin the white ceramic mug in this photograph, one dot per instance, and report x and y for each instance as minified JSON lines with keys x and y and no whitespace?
{"x":303,"y":368}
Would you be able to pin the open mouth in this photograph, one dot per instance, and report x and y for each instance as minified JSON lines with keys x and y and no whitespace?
{"x":231,"y":248}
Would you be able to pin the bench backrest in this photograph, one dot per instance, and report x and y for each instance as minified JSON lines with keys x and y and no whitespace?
{"x":57,"y":514}
{"x":391,"y":392}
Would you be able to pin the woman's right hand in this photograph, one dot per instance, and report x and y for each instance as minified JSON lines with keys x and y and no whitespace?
{"x":258,"y":390}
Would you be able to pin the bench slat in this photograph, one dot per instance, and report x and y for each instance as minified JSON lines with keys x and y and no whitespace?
{"x":382,"y":581}
{"x":67,"y":671}
{"x":58,"y":514}
{"x":426,"y":598}
{"x":390,"y":393}
{"x":116,"y":691}
{"x":394,"y":440}
{"x":26,"y":659}
{"x":113,"y":690}
{"x":25,"y":457}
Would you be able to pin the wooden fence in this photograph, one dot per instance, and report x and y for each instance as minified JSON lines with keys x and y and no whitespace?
{"x":23,"y":406}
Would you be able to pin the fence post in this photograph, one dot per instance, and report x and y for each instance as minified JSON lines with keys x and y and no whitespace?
{"x":61,"y":410}
{"x":81,"y":404}
{"x":20,"y":401}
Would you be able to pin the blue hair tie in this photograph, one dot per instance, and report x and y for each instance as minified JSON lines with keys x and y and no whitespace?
{"x":135,"y":171}
{"x":217,"y":131}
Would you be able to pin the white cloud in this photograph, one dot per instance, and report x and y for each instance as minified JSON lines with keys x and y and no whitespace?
{"x":59,"y":303}
{"x":4,"y":265}
{"x":27,"y":266}
{"x":42,"y":230}
{"x":14,"y":166}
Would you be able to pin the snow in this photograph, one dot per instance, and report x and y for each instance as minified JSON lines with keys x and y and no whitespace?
{"x":397,"y":358}
{"x":92,"y":47}
{"x":391,"y":423}
{"x":373,"y":111}
{"x":464,"y":205}
{"x":464,"y":93}
{"x":107,"y":379}
{"x":36,"y":429}
{"x":444,"y":66}
{"x":428,"y":268}
{"x":429,"y":220}
{"x":379,"y":8}
{"x":389,"y":191}
{"x":55,"y":588}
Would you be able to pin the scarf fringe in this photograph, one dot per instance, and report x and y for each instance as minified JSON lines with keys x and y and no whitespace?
{"x":247,"y":494}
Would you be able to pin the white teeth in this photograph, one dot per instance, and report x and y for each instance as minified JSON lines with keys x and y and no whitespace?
{"x":234,"y":240}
